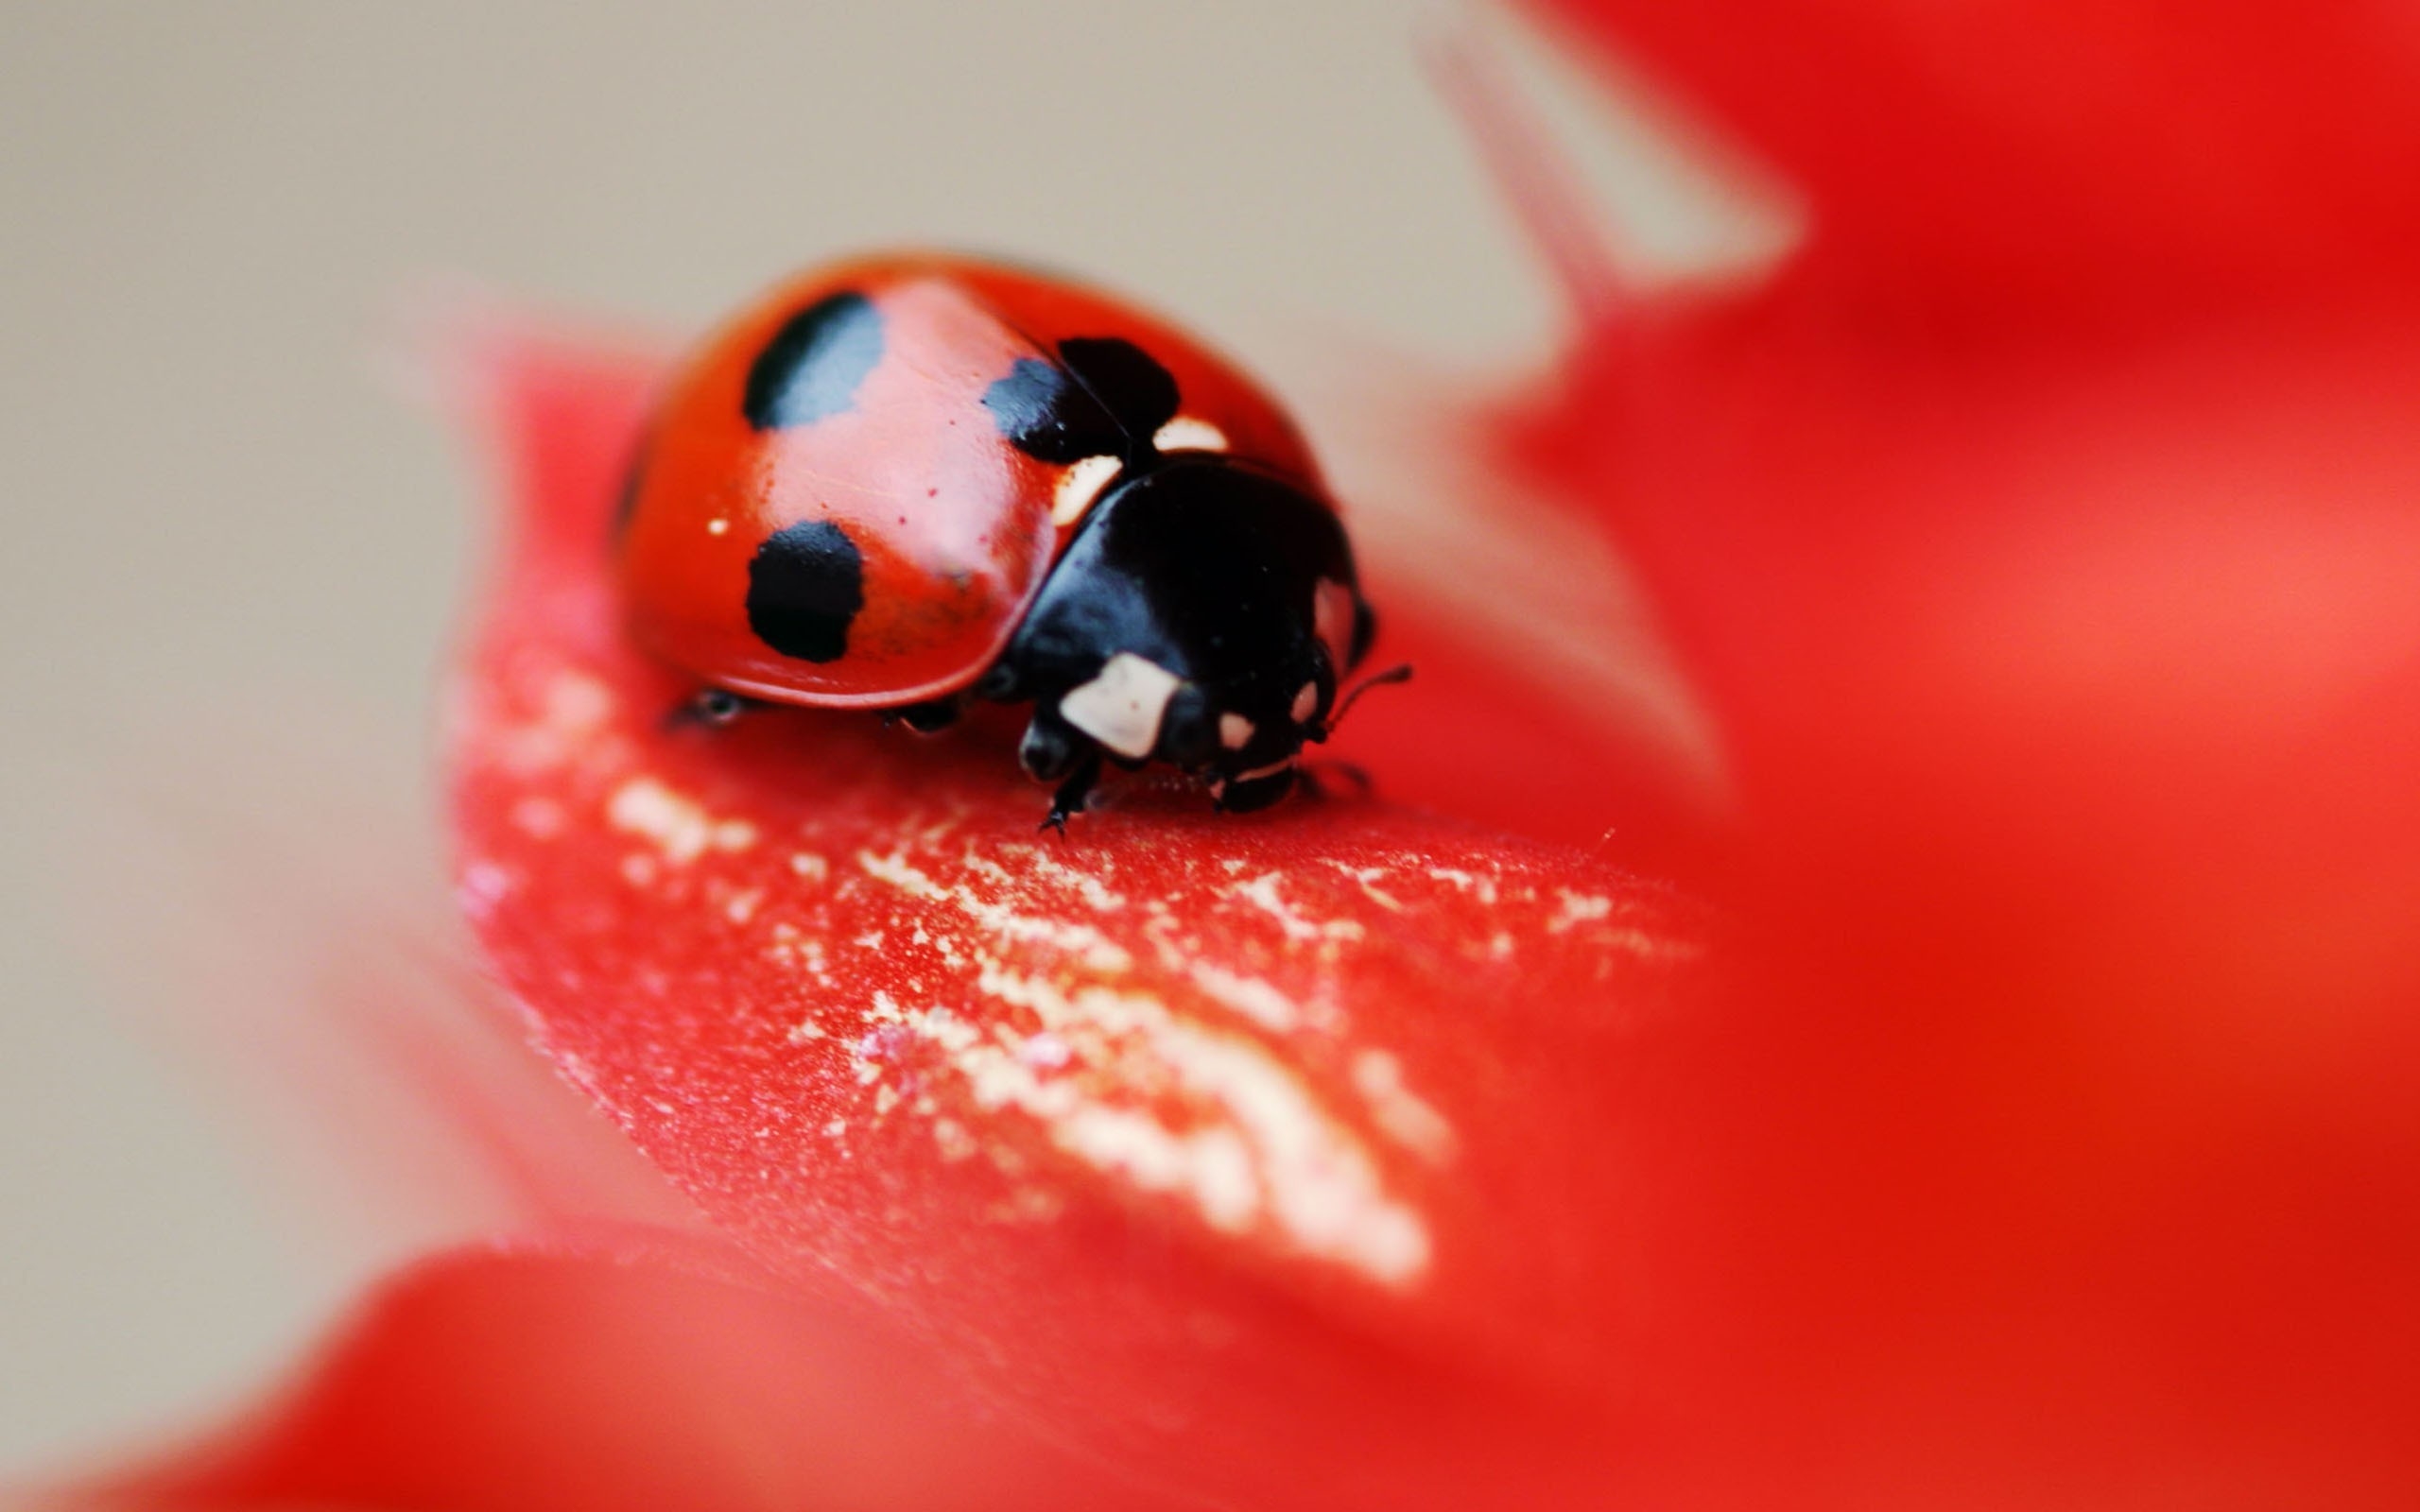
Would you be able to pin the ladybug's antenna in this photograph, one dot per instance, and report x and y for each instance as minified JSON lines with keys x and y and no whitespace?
{"x":1353,"y":695}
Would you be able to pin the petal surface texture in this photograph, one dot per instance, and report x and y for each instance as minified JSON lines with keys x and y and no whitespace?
{"x":1232,"y":1149}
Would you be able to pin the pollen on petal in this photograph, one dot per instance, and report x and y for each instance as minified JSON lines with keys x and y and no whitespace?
{"x":679,"y":826}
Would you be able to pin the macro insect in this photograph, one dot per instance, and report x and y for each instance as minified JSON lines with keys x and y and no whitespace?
{"x":905,"y":482}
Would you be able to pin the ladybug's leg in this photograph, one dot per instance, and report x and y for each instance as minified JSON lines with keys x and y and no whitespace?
{"x":1056,"y":752}
{"x":712,"y":708}
{"x":1074,"y":792}
{"x":930,"y":717}
{"x":1052,"y":748}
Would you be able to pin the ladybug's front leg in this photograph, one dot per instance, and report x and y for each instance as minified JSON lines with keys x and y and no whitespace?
{"x":930,"y":717}
{"x":1055,"y":751}
{"x":1073,"y":793}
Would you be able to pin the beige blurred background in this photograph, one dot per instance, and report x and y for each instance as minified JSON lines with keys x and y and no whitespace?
{"x":224,"y":530}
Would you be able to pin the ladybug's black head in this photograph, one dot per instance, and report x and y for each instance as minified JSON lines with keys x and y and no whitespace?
{"x":1203,"y":616}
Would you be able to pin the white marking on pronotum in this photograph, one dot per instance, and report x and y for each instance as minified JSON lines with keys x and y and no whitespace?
{"x":1185,"y":434}
{"x":1122,"y":708}
{"x":679,"y":825}
{"x":1079,"y":486}
{"x":1235,"y":731}
{"x":1306,"y":703}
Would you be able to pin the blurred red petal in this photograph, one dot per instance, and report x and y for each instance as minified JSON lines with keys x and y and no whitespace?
{"x":1279,"y":1154}
{"x":1975,"y":161}
{"x":2042,"y":543}
{"x":1543,"y":703}
{"x":619,"y":1378}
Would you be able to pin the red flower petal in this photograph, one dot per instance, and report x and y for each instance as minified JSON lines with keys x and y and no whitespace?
{"x":2040,"y":544}
{"x":2119,"y":158}
{"x":2042,"y":541}
{"x":1239,"y":1147}
{"x":619,"y":1379}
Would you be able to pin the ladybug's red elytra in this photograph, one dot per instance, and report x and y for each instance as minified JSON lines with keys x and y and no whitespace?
{"x":904,"y":482}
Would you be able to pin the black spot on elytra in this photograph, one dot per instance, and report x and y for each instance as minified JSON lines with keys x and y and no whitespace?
{"x":805,"y":584}
{"x":1128,"y":380}
{"x":1104,"y":397}
{"x":814,"y":363}
{"x":1045,"y":414}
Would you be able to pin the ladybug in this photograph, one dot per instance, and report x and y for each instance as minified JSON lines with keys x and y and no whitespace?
{"x":906,"y":482}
